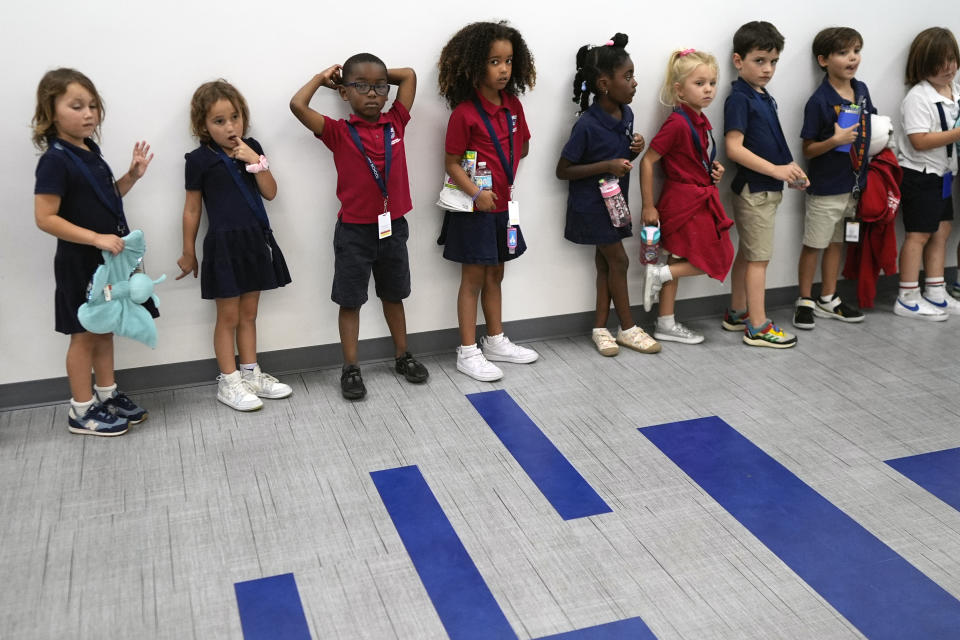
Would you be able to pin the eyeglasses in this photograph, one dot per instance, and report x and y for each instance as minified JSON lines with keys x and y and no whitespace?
{"x":381,"y":88}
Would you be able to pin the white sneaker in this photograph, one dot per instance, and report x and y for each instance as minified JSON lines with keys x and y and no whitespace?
{"x":500,"y":349}
{"x":918,"y":308}
{"x":948,"y":305}
{"x":678,"y":333}
{"x":637,"y":339}
{"x":235,"y":392}
{"x":606,"y":345}
{"x":471,"y":361}
{"x":265,"y":385}
{"x":652,"y":283}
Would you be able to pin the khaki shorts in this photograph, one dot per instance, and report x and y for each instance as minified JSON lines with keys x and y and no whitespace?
{"x":754,"y":214}
{"x":823,"y":222}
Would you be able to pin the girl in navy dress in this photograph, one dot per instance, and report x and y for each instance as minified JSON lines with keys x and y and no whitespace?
{"x":601,"y":145}
{"x":78,"y":201}
{"x":230,"y":175}
{"x":483,"y":68}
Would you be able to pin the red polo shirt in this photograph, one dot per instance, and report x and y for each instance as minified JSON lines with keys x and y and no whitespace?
{"x":674,"y":143}
{"x":360,"y":198}
{"x":466,"y":131}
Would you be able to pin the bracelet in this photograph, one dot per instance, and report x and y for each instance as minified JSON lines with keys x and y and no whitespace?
{"x":476,"y":195}
{"x":263,"y":165}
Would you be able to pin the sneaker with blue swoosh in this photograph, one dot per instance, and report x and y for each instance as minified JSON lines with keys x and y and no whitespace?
{"x":918,"y":308}
{"x":948,"y":305}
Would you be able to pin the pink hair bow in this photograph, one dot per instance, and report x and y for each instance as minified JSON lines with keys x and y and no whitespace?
{"x":686,"y":52}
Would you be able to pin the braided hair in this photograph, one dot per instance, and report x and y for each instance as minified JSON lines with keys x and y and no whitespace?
{"x":593,"y":62}
{"x":463,"y":61}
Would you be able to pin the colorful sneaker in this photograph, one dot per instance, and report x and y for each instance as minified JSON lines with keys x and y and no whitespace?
{"x":119,"y":404}
{"x":98,"y":420}
{"x":471,"y":361}
{"x":838,"y":309}
{"x":652,"y":283}
{"x":678,"y":333}
{"x":803,"y":314}
{"x":500,"y":349}
{"x":411,"y":368}
{"x":637,"y":339}
{"x":918,"y":308}
{"x":265,"y":385}
{"x":605,"y":342}
{"x":351,"y":383}
{"x":954,"y":289}
{"x":769,"y":335}
{"x":948,"y":305}
{"x":233,"y":391}
{"x":734,"y":320}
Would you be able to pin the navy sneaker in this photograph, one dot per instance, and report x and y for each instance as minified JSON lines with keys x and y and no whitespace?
{"x":97,"y":421}
{"x":124,"y":407}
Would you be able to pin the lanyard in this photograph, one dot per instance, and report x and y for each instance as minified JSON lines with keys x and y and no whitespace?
{"x":944,"y":127}
{"x":696,"y":141}
{"x":859,"y":150}
{"x":253,"y":200}
{"x":507,"y":168}
{"x":381,"y":180}
{"x":115,"y":204}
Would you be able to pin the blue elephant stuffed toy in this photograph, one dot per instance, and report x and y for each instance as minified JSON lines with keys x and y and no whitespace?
{"x":117,"y":293}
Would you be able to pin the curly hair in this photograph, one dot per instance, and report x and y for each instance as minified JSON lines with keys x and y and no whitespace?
{"x":52,"y":85}
{"x":463,"y":61}
{"x":205,"y":97}
{"x":593,"y":62}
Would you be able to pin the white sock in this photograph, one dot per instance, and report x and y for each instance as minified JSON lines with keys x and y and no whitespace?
{"x":665,"y":274}
{"x":466,"y":350}
{"x":495,"y":339}
{"x":666,"y":322}
{"x":80,"y":408}
{"x":933,"y":289}
{"x":103,"y":393}
{"x":248,"y":367}
{"x":909,"y":290}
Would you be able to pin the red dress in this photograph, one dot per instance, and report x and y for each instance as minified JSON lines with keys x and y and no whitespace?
{"x":693,"y":223}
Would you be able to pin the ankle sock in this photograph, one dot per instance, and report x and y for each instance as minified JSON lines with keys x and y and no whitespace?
{"x":909,"y":290}
{"x":80,"y":408}
{"x":934,"y":290}
{"x":102,"y":393}
{"x":248,"y":367}
{"x":666,"y":322}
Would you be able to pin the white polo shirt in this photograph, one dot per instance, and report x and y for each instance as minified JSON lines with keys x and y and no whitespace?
{"x":919,"y":114}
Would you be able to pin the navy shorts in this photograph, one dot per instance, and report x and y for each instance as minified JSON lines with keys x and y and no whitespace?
{"x":358,"y":250}
{"x":478,"y":238}
{"x":922,"y":202}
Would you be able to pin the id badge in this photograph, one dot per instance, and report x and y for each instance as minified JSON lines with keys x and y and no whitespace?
{"x":513,"y":213}
{"x":852,"y":230}
{"x":947,"y":185}
{"x":384,"y":225}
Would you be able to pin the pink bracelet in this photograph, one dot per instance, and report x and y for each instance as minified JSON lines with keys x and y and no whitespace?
{"x":263,"y":165}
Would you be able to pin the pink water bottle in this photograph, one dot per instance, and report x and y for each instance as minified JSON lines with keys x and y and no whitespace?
{"x":650,"y":245}
{"x":615,"y":202}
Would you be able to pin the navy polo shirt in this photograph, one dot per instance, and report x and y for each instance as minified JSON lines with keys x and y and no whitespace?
{"x":597,"y":136}
{"x":206,"y":172}
{"x":754,"y":113}
{"x":831,"y":173}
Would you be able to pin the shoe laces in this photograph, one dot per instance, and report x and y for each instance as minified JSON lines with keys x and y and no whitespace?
{"x":120,"y":400}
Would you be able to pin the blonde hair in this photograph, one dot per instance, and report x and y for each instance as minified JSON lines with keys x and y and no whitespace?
{"x":681,"y":64}
{"x":52,"y":85}
{"x":205,"y":97}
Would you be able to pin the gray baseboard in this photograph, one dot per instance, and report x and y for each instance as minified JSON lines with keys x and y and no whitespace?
{"x":286,"y":361}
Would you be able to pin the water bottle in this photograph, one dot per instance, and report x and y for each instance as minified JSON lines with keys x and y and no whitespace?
{"x":613,"y":199}
{"x":650,"y":245}
{"x":482,"y":177}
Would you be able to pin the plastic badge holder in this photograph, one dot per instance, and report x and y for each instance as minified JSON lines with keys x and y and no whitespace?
{"x":848,"y":116}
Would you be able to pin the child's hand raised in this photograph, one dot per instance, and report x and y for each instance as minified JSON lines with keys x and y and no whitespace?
{"x":716,"y":172}
{"x":844,"y":135}
{"x":243,"y":152}
{"x":330,"y":77}
{"x":141,"y":160}
{"x":486,"y":201}
{"x":619,"y":167}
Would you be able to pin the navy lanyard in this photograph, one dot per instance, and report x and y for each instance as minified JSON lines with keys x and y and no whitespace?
{"x":381,"y":180}
{"x":943,"y":126}
{"x":696,"y":141}
{"x":507,"y":168}
{"x":253,"y":199}
{"x":115,"y":204}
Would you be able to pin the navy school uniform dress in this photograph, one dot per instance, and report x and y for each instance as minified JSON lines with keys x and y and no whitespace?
{"x":73,"y":265}
{"x":240,"y":254}
{"x":596,"y":136}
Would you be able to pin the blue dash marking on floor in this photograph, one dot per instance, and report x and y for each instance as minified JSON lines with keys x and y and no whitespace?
{"x":561,"y":484}
{"x":628,"y":629}
{"x":875,"y":588}
{"x":270,"y":609}
{"x":938,"y":472}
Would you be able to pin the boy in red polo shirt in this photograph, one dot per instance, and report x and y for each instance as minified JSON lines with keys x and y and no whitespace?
{"x":374,"y":193}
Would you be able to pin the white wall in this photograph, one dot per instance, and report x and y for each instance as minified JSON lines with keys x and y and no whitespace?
{"x":147,"y":58}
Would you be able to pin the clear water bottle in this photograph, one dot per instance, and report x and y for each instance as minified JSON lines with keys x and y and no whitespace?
{"x":482,"y":176}
{"x":650,"y":245}
{"x":615,"y":202}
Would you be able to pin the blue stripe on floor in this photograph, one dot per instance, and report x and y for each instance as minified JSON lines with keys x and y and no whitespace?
{"x":270,"y":609}
{"x":876,"y":589}
{"x":629,"y":629}
{"x":938,"y":472}
{"x":560,"y":483}
{"x":459,"y":593}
